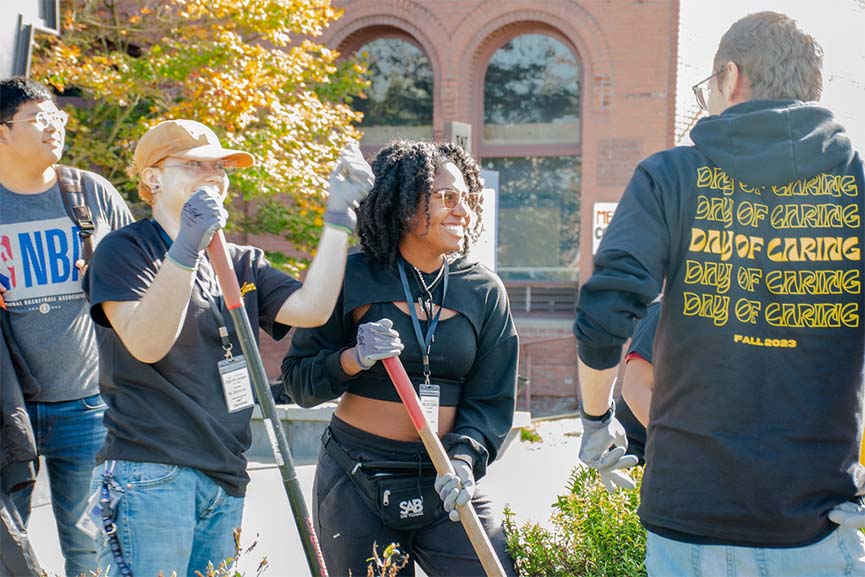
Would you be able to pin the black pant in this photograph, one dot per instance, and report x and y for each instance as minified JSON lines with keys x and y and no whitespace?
{"x":347,"y":526}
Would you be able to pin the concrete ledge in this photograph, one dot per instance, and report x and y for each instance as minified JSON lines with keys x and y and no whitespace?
{"x":304,"y":427}
{"x":521,"y":419}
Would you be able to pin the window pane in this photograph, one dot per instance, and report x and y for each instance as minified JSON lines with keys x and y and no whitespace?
{"x":399,"y":102}
{"x":532,"y":92}
{"x":539,"y":217}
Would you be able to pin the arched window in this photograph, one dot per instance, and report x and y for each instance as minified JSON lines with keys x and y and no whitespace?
{"x":531,"y":136}
{"x":399,"y":101}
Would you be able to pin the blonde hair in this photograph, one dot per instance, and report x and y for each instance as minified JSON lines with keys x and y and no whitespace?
{"x":779,"y":59}
{"x":145,"y":193}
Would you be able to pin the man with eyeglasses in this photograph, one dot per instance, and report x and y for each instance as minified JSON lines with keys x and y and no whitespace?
{"x":755,"y":234}
{"x":176,"y":384}
{"x":48,"y":316}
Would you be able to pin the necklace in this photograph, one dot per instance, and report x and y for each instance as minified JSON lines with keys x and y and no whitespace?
{"x":427,"y":304}
{"x":428,"y":287}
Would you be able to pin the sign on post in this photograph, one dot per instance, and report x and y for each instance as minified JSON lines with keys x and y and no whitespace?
{"x":459,"y":133}
{"x":484,"y":250}
{"x":601,"y":217}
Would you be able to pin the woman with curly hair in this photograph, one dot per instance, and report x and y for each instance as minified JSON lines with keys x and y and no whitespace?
{"x":410,"y":292}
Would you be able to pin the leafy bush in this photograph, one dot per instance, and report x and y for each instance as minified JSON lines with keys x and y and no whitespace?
{"x":594,"y":533}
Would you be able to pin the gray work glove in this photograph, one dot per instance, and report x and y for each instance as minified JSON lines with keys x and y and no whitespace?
{"x":596,"y":451}
{"x":456,"y":489}
{"x":202,"y":215}
{"x":349,"y":183}
{"x":848,"y":514}
{"x":376,"y":341}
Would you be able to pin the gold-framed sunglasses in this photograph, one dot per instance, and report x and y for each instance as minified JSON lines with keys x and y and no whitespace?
{"x":451,"y":198}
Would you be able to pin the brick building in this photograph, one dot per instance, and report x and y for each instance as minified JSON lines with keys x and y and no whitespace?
{"x":563,"y":98}
{"x":20,"y":22}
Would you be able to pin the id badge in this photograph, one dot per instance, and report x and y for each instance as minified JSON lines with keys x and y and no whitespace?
{"x":236,"y":384}
{"x":90,"y":521}
{"x":429,"y":402}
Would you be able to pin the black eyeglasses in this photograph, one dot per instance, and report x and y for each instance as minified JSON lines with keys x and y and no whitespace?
{"x":703,"y":89}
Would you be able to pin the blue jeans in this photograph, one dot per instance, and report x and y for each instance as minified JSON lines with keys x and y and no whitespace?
{"x":68,"y":436}
{"x":841,"y":553}
{"x":169,"y":519}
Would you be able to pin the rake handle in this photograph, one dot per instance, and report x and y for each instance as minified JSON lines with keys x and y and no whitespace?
{"x":227,"y":279}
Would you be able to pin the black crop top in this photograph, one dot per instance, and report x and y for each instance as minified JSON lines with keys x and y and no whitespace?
{"x":473,"y":358}
{"x":452,"y":354}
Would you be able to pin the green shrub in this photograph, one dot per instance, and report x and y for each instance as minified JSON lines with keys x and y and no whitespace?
{"x":594,"y":533}
{"x":229,"y":567}
{"x":388,"y":564}
{"x":530,"y":435}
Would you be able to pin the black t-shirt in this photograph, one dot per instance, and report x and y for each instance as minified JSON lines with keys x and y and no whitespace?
{"x":641,"y":344}
{"x":643,"y":340}
{"x":173,"y":411}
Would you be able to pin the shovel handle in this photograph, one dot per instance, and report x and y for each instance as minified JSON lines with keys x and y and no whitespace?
{"x":468,"y":516}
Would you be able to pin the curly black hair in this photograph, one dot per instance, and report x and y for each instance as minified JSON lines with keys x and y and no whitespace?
{"x":404,"y":171}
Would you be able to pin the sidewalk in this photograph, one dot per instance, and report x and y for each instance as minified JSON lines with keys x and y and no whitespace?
{"x":528,"y":478}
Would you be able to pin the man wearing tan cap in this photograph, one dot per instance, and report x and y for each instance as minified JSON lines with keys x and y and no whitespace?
{"x":178,"y":413}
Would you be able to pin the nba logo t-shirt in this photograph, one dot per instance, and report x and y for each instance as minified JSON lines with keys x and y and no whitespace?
{"x":48,"y":313}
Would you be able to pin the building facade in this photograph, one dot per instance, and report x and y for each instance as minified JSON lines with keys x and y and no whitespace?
{"x":20,"y":22}
{"x":561,"y":97}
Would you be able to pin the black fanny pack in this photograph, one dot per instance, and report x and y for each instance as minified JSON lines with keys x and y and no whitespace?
{"x":401,"y":493}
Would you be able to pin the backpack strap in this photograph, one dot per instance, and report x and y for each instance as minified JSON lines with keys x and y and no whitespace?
{"x":75,"y":202}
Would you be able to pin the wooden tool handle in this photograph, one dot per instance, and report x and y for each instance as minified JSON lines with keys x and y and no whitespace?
{"x":468,"y":516}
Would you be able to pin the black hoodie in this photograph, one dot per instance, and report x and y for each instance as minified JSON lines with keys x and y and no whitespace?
{"x":757,"y":232}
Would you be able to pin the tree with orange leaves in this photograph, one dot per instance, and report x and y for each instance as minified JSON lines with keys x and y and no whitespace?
{"x":248,"y":68}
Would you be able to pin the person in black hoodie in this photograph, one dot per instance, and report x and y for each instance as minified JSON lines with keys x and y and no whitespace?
{"x":752,"y":454}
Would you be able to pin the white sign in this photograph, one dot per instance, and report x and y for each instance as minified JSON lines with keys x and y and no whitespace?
{"x":601,"y":217}
{"x":484,"y":250}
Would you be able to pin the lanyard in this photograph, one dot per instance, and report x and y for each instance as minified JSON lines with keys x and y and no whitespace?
{"x":423,"y":342}
{"x":214,"y":302}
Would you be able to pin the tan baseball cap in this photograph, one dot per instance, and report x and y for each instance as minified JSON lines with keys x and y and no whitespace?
{"x":184,"y":139}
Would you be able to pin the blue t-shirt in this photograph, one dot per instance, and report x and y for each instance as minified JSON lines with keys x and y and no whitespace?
{"x":173,"y":411}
